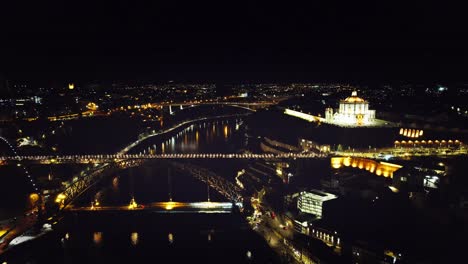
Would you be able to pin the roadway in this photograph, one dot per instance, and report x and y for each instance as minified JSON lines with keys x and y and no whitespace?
{"x":21,"y":225}
{"x":278,"y":235}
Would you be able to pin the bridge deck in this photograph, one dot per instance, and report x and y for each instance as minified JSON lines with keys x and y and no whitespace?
{"x":165,"y":207}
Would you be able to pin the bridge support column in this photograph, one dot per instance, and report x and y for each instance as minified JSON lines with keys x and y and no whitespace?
{"x":181,"y":107}
{"x":170,"y":110}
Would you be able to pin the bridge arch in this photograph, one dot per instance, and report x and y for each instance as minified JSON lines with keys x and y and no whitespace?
{"x":26,"y":172}
{"x":227,"y":189}
{"x":189,"y":106}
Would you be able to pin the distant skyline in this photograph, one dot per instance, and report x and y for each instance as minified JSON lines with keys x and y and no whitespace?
{"x":317,"y":42}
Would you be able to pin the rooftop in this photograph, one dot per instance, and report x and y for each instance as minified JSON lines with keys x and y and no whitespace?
{"x":317,"y":194}
{"x":354,"y":98}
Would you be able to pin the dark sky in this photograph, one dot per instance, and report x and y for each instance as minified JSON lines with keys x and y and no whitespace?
{"x":328,"y":40}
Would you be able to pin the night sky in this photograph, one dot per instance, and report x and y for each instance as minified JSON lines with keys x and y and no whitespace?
{"x":231,"y":41}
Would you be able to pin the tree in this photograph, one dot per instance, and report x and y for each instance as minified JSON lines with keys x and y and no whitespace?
{"x":339,"y":148}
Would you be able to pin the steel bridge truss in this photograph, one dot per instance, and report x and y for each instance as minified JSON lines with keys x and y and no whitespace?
{"x":84,"y":181}
{"x":227,"y":189}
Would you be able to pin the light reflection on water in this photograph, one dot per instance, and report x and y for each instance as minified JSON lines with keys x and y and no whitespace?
{"x":115,"y":184}
{"x":97,"y":238}
{"x":170,"y":237}
{"x":190,"y":139}
{"x":134,"y":238}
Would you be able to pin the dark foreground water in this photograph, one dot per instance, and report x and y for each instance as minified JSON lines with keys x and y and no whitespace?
{"x":146,"y":237}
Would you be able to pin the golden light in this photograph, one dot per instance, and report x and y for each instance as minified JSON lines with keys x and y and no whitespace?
{"x":92,"y":106}
{"x":60,"y":198}
{"x":279,"y":171}
{"x":361,"y":165}
{"x":97,"y":238}
{"x":133,"y":204}
{"x":71,"y":86}
{"x":34,"y":197}
{"x":380,"y":168}
{"x":226,"y":131}
{"x":347,"y":161}
{"x":336,"y":163}
{"x":134,"y":238}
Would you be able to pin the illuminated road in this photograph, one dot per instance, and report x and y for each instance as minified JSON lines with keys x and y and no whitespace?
{"x":21,"y":225}
{"x":166,"y":207}
{"x":279,"y":240}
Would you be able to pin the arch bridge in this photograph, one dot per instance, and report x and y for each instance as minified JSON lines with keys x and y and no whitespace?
{"x":82,"y":183}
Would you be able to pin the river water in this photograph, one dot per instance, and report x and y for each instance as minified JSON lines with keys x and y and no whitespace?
{"x":148,"y":237}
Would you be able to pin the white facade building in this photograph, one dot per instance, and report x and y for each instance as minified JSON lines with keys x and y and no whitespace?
{"x":353,"y":111}
{"x":311,"y":202}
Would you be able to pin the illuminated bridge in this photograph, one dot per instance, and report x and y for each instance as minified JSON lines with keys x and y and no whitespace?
{"x":87,"y":179}
{"x":107,"y":158}
{"x":251,"y":106}
{"x":227,"y":189}
{"x":166,"y":207}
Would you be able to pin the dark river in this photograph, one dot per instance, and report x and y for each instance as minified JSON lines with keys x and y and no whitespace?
{"x":149,"y":237}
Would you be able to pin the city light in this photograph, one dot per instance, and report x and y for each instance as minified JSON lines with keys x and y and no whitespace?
{"x":117,"y":144}
{"x":60,"y":198}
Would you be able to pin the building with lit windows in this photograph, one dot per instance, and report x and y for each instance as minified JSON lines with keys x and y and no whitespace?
{"x":353,"y":111}
{"x":311,"y":201}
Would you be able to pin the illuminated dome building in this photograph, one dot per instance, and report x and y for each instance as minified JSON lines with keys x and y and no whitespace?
{"x":353,"y":111}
